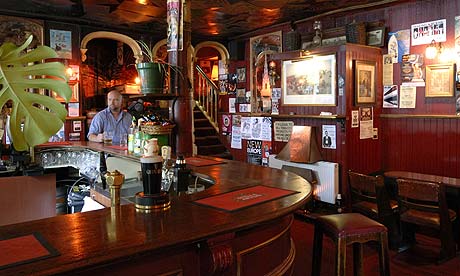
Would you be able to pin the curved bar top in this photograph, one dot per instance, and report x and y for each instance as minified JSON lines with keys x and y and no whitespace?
{"x":93,"y":239}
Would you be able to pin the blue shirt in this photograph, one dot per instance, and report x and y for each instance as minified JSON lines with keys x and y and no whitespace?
{"x":104,"y":121}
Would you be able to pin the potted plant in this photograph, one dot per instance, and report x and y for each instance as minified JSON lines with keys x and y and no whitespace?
{"x":153,"y":71}
{"x":33,"y":117}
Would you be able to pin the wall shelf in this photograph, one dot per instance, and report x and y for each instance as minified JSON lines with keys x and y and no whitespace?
{"x":418,"y":116}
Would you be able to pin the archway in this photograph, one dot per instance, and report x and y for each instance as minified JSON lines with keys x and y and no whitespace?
{"x":115,"y":36}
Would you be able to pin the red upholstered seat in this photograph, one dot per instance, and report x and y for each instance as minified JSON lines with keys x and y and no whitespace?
{"x":349,"y":224}
{"x":349,"y":228}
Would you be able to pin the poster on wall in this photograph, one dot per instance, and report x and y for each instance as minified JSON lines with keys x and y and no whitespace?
{"x":174,"y":17}
{"x":411,"y":70}
{"x":282,"y":130}
{"x":61,"y":42}
{"x":407,"y":96}
{"x":328,"y":137}
{"x":390,"y":96}
{"x":254,"y":152}
{"x":236,"y":132}
{"x":387,"y":70}
{"x":424,"y":33}
{"x":366,"y":122}
{"x":226,"y":124}
{"x":399,"y":44}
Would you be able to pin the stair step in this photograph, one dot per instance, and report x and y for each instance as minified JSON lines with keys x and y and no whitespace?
{"x":211,"y":149}
{"x":207,"y":140}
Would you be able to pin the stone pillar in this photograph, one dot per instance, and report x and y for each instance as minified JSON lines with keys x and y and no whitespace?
{"x":183,"y":105}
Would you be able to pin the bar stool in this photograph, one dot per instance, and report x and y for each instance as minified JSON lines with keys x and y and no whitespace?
{"x":349,"y":228}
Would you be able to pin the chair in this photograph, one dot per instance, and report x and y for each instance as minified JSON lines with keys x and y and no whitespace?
{"x":370,"y":198}
{"x":424,"y":204}
{"x":345,"y":229}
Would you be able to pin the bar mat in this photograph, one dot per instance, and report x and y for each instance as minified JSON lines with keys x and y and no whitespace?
{"x":244,"y":198}
{"x":24,"y":249}
{"x":117,"y":147}
{"x":200,"y":162}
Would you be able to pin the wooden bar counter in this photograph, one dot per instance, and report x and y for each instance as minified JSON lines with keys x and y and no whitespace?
{"x":186,"y":239}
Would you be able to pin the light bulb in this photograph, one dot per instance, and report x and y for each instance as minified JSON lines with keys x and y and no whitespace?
{"x":137,"y":80}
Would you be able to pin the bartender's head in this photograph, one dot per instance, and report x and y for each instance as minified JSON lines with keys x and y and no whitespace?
{"x":114,"y":101}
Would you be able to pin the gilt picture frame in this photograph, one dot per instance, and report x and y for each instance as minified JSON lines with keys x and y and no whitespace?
{"x":439,"y":80}
{"x":365,"y":82}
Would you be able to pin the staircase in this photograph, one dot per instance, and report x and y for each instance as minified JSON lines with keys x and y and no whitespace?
{"x":207,"y":138}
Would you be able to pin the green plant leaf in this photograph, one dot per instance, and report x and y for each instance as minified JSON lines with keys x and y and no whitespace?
{"x":42,"y":115}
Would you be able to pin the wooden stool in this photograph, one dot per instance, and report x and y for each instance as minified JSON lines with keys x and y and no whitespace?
{"x":345,"y":229}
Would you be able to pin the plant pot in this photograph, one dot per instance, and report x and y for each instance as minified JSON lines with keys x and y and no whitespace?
{"x":151,"y":75}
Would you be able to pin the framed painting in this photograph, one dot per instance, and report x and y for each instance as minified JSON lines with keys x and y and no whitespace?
{"x":376,"y":37}
{"x":439,"y":80}
{"x":16,"y":30}
{"x":259,"y":47}
{"x":64,"y":39}
{"x":61,"y":42}
{"x":364,"y":82}
{"x":309,"y":81}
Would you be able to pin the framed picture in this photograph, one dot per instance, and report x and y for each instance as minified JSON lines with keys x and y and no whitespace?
{"x":376,"y":37}
{"x":309,"y":81}
{"x":259,"y":47}
{"x":439,"y":80}
{"x":16,"y":30}
{"x":64,"y":39}
{"x":364,"y":82}
{"x":241,"y":73}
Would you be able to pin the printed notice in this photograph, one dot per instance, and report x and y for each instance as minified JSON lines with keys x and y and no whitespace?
{"x":407,"y":96}
{"x":283,"y":130}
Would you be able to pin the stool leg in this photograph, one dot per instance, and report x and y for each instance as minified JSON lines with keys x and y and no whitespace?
{"x":317,"y":251}
{"x":384,"y":261}
{"x":357,"y":258}
{"x":341,"y":257}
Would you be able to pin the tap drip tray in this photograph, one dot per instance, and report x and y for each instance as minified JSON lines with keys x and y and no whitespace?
{"x":153,"y":202}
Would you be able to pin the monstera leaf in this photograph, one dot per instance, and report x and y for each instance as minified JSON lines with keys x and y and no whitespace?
{"x":42,"y":115}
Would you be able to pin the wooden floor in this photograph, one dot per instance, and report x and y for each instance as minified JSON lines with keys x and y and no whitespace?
{"x":418,"y":261}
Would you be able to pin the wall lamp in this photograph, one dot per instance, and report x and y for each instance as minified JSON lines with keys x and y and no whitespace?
{"x":433,"y":50}
{"x":436,"y":50}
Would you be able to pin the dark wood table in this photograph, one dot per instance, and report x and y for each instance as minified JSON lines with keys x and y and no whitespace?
{"x":186,"y":239}
{"x":448,"y":181}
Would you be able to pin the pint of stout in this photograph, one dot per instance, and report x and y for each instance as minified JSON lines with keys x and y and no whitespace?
{"x":151,"y":174}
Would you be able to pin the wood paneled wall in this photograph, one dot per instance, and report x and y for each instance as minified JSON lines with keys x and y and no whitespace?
{"x":425,"y":145}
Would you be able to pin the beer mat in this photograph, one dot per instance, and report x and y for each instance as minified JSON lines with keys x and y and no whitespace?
{"x":24,"y":249}
{"x":62,"y":143}
{"x":200,"y":162}
{"x":117,"y":147}
{"x":244,"y":198}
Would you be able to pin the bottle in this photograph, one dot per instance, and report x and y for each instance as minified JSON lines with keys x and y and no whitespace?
{"x":131,"y":139}
{"x":338,"y":203}
{"x":137,"y":145}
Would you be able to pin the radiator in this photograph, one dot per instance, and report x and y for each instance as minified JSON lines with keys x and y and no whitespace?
{"x":326,"y":173}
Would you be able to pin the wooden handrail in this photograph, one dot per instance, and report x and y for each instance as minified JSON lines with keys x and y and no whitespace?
{"x":206,"y":97}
